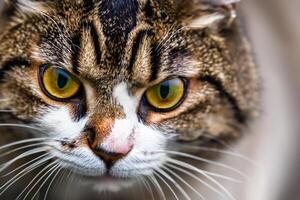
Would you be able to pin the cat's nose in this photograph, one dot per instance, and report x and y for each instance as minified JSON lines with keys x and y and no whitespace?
{"x":105,"y":147}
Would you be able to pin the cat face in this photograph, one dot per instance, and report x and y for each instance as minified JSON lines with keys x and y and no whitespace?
{"x":116,"y":85}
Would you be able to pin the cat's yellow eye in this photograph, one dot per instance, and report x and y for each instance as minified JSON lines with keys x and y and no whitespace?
{"x":59,"y":83}
{"x":166,"y":95}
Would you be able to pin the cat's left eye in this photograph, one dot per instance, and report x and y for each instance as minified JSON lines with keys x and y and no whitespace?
{"x":59,"y":84}
{"x":166,"y":95}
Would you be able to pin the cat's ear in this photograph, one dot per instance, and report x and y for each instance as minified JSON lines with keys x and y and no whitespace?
{"x":199,"y":14}
{"x":25,"y":6}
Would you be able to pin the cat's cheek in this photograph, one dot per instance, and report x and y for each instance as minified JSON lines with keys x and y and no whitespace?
{"x":59,"y":123}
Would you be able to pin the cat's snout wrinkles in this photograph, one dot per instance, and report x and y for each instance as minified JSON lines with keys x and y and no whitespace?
{"x":102,"y":142}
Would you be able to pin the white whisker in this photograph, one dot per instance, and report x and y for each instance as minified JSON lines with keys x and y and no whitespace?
{"x":184,"y":182}
{"x":24,"y":165}
{"x":167,"y":184}
{"x":158,"y":187}
{"x":243,"y":157}
{"x":174,"y":183}
{"x":188,"y":166}
{"x":198,"y":179}
{"x":207,"y":161}
{"x":23,"y":142}
{"x":22,"y":126}
{"x":53,"y":165}
{"x":21,"y":174}
{"x":22,"y":148}
{"x":57,"y":169}
{"x":48,"y":189}
{"x":23,"y":155}
{"x":148,"y":187}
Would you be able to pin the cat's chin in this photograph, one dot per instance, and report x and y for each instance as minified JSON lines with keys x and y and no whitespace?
{"x":108,"y":183}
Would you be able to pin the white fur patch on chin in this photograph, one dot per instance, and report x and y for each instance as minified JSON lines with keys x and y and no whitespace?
{"x":112,"y":185}
{"x":61,"y":124}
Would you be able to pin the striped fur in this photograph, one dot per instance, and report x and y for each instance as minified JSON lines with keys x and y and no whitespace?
{"x":108,"y":43}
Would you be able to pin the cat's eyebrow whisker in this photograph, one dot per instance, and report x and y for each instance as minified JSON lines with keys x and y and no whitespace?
{"x":23,"y":155}
{"x":56,"y":169}
{"x":183,"y":181}
{"x":24,"y":172}
{"x":185,"y":155}
{"x":158,"y":187}
{"x":163,"y":173}
{"x":22,"y":148}
{"x":52,"y":165}
{"x":188,"y":166}
{"x":26,"y":164}
{"x":196,"y":178}
{"x":167,"y":184}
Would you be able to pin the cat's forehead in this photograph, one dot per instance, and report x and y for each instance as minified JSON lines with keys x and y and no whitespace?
{"x":108,"y":41}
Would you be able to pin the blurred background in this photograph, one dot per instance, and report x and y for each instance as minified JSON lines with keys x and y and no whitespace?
{"x":274,"y":31}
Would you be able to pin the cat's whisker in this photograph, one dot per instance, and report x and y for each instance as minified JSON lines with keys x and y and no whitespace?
{"x":55,"y":171}
{"x":158,"y":187}
{"x":21,"y":148}
{"x":184,"y":182}
{"x":23,"y":155}
{"x":70,"y":177}
{"x":185,"y":155}
{"x":22,"y":126}
{"x":163,"y":173}
{"x":50,"y":184}
{"x":24,"y":172}
{"x":25,"y":164}
{"x":47,"y":168}
{"x":147,"y":186}
{"x":167,"y":184}
{"x":23,"y":142}
{"x":196,"y":178}
{"x":230,"y":153}
{"x":188,"y":166}
{"x":220,"y":176}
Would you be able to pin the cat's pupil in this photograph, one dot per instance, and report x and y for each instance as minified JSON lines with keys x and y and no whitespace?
{"x":164,"y":89}
{"x":62,"y":79}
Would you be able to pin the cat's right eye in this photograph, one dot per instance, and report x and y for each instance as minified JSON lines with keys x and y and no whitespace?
{"x":57,"y":83}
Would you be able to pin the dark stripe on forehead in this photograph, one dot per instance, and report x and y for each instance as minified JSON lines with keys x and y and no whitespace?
{"x":136,"y":46}
{"x":239,"y":115}
{"x":118,"y":18}
{"x":12,"y":63}
{"x":155,"y":62}
{"x":88,"y":5}
{"x":96,"y":43}
{"x":90,"y":27}
{"x":75,"y":47}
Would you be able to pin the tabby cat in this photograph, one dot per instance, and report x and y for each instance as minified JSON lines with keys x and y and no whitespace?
{"x":120,"y":93}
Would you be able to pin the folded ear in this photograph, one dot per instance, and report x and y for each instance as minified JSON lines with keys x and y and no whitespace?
{"x":199,"y":14}
{"x":25,"y":6}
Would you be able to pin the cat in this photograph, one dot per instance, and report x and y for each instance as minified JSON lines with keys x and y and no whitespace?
{"x":120,"y":93}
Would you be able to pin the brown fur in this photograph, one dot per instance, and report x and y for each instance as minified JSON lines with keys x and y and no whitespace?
{"x":223,"y":89}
